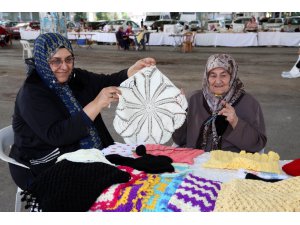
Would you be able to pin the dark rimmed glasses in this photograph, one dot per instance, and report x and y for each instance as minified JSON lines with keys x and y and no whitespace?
{"x":57,"y":62}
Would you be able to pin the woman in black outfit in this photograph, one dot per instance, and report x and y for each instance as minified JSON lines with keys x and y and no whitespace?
{"x":58,"y":108}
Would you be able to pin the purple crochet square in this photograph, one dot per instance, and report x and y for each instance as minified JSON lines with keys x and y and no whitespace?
{"x":195,"y":194}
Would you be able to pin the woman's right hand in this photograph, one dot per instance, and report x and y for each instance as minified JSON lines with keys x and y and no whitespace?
{"x":103,"y":100}
{"x":107,"y":96}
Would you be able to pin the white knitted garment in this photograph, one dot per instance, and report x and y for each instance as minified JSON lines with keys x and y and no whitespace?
{"x":149,"y":109}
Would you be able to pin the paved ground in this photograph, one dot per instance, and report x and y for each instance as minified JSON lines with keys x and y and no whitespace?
{"x":260,"y":69}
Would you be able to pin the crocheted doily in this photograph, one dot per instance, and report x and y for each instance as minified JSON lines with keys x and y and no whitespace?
{"x":150,"y":108}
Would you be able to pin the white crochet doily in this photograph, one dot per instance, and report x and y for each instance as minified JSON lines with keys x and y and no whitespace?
{"x":149,"y":109}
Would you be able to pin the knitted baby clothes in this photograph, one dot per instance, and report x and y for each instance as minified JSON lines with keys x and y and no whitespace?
{"x":232,"y":160}
{"x":195,"y":194}
{"x":147,"y":163}
{"x":292,"y":168}
{"x":242,"y":195}
{"x":73,"y":187}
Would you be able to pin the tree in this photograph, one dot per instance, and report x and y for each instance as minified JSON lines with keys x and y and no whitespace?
{"x":102,"y":16}
{"x":79,"y":15}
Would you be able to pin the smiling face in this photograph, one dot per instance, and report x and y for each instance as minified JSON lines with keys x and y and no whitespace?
{"x":61,"y":64}
{"x":218,"y":80}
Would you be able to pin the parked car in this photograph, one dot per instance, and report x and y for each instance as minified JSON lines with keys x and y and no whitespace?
{"x":214,"y":25}
{"x":97,"y":25}
{"x":195,"y":25}
{"x":227,"y":23}
{"x":238,"y":24}
{"x":115,"y":24}
{"x":10,"y":27}
{"x":274,"y":23}
{"x":71,"y":25}
{"x":262,"y":22}
{"x":295,"y":23}
{"x":159,"y":24}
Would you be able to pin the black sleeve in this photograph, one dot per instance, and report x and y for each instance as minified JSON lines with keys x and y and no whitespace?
{"x":46,"y":115}
{"x":97,"y":82}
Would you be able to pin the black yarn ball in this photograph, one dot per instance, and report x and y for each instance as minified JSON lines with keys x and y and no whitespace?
{"x":140,"y":150}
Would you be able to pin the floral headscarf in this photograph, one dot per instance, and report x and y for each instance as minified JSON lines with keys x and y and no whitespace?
{"x":236,"y":90}
{"x":44,"y":47}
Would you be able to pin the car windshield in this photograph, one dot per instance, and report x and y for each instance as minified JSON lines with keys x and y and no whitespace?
{"x":152,"y":18}
{"x":116,"y":22}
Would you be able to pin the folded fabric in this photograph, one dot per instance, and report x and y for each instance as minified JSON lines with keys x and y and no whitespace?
{"x":292,"y":168}
{"x":252,"y":161}
{"x":178,"y":155}
{"x":109,"y":197}
{"x":72,"y":187}
{"x":120,"y":149}
{"x":242,"y":195}
{"x":84,"y":155}
{"x":147,"y":163}
{"x":195,"y":194}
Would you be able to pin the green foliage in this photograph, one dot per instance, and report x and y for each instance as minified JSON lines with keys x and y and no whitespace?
{"x":79,"y":15}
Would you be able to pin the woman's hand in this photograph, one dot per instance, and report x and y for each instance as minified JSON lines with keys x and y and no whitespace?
{"x":103,"y":100}
{"x":107,"y":96}
{"x":140,"y":64}
{"x":229,"y":112}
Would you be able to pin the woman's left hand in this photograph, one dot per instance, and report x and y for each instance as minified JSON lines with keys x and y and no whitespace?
{"x":140,"y":64}
{"x":229,"y":112}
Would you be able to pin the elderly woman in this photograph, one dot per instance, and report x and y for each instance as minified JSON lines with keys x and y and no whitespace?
{"x":222,"y":115}
{"x":58,"y":108}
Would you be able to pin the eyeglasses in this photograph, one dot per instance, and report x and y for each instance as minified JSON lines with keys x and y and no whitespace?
{"x":57,"y":62}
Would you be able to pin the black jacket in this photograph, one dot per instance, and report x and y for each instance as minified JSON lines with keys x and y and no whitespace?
{"x":42,"y":123}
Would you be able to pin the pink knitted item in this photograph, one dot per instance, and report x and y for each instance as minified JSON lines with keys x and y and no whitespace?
{"x":109,"y":196}
{"x":178,"y":155}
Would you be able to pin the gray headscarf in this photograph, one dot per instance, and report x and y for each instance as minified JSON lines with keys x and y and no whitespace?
{"x":236,"y":90}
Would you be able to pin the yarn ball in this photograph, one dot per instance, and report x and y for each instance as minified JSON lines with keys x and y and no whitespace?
{"x":141,"y":150}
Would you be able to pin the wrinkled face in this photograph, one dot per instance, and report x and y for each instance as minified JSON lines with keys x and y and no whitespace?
{"x":61,"y":64}
{"x":218,"y":80}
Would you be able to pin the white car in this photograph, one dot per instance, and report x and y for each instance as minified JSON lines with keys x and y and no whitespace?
{"x":195,"y":25}
{"x":274,"y":24}
{"x":238,"y":24}
{"x":115,"y":24}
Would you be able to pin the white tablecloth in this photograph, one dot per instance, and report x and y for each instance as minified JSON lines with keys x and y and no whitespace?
{"x":278,"y":38}
{"x":201,"y":39}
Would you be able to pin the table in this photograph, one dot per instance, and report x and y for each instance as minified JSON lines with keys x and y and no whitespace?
{"x":278,"y":38}
{"x":201,"y":39}
{"x":156,"y":196}
{"x":178,"y":38}
{"x":87,"y":37}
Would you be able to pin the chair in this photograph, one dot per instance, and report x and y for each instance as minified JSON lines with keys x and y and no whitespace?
{"x":187,"y":42}
{"x":26,"y":47}
{"x":6,"y":140}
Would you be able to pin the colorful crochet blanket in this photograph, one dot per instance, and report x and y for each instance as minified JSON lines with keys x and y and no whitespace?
{"x":195,"y":194}
{"x":109,"y":197}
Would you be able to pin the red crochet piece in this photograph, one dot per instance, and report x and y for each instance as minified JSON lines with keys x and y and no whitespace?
{"x":292,"y":168}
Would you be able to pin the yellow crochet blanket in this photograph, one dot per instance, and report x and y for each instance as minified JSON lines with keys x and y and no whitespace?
{"x":252,"y":161}
{"x":259,"y":196}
